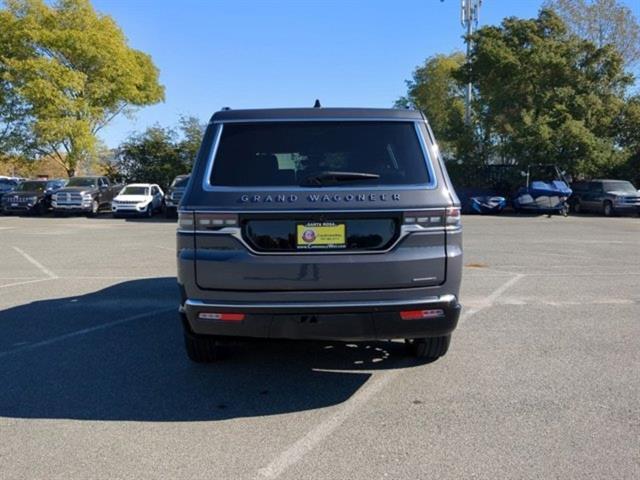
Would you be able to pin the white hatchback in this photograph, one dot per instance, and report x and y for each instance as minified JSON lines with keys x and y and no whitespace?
{"x":138,"y":199}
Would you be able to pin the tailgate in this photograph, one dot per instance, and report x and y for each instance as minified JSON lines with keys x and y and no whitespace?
{"x":319,"y":251}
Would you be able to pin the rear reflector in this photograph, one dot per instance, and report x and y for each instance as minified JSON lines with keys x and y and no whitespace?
{"x":420,"y":314}
{"x":224,"y":317}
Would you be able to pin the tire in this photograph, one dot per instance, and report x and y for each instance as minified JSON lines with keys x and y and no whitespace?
{"x":202,"y":348}
{"x":607,"y":209}
{"x":170,"y":212}
{"x":428,"y":348}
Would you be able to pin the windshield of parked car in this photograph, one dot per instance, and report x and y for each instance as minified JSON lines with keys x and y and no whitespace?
{"x":180,"y":182}
{"x":6,"y":185}
{"x":315,"y":154}
{"x":619,"y":186}
{"x":135,"y":191}
{"x":31,"y":187}
{"x":82,"y":182}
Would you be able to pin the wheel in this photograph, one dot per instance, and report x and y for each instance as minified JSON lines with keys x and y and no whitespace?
{"x":202,"y":348}
{"x":430,"y":347}
{"x":607,"y":209}
{"x":169,"y":212}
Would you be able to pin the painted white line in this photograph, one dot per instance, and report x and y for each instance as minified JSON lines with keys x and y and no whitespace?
{"x":490,"y":299}
{"x":84,"y":331}
{"x":304,"y":445}
{"x":35,"y":263}
{"x":26,"y":282}
{"x":295,"y":452}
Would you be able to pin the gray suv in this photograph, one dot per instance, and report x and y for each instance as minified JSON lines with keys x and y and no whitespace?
{"x":331,"y":224}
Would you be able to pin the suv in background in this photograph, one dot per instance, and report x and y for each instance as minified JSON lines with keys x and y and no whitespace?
{"x":31,"y":196}
{"x":327,"y":224}
{"x":174,"y":195}
{"x":608,"y":197}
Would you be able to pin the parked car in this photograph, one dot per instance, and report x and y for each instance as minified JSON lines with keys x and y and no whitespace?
{"x":174,"y":195}
{"x":31,"y":196}
{"x":609,"y":197}
{"x":7,"y":185}
{"x":84,"y":195}
{"x":138,"y":199}
{"x":336,"y":224}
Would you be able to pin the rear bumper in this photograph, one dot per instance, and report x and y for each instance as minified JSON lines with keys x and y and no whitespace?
{"x":350,"y":321}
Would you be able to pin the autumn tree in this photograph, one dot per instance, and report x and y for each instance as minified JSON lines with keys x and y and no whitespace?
{"x":602,"y":22}
{"x":65,"y":72}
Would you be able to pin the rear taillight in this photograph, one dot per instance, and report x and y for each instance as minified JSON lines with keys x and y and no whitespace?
{"x":223,"y":317}
{"x":452,"y":216}
{"x":214,"y":221}
{"x":421,"y":314}
{"x":185,"y":220}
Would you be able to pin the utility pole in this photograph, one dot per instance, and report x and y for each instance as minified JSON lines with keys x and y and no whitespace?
{"x":469,"y":13}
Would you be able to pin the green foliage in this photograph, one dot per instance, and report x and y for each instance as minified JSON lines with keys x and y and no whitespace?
{"x":434,"y":91}
{"x":541,"y":95}
{"x":69,"y":71}
{"x":546,"y":97}
{"x":158,"y":154}
{"x":602,"y":22}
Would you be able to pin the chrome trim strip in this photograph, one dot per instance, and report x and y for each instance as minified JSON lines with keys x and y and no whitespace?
{"x":236,"y":232}
{"x":293,"y":305}
{"x":431,"y":185}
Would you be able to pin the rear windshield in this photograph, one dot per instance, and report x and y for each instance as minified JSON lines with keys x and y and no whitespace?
{"x":317,"y":154}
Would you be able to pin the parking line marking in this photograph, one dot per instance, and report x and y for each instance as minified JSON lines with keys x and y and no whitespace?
{"x":296,"y":451}
{"x":35,"y":263}
{"x":304,"y":445}
{"x":490,"y":299}
{"x":84,"y":331}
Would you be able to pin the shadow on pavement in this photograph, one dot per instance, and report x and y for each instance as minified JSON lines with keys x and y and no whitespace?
{"x":138,"y":370}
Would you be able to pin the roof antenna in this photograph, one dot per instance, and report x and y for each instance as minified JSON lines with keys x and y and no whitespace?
{"x":317,"y":104}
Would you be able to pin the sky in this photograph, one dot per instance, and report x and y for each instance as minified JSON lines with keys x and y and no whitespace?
{"x":268,"y":53}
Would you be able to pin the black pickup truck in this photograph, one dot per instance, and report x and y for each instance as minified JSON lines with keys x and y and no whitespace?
{"x":85,"y":195}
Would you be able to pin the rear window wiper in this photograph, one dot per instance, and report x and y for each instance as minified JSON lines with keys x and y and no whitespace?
{"x":327,"y":178}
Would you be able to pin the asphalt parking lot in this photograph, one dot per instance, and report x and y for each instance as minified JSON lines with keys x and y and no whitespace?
{"x":542,"y":379}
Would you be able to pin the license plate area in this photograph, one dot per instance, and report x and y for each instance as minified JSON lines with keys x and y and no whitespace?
{"x":321,"y":236}
{"x":354,"y":231}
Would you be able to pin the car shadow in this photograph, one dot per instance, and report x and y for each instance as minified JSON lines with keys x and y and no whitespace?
{"x":117,"y":354}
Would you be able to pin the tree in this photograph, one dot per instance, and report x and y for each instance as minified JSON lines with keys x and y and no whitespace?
{"x":68,"y":71}
{"x":158,"y":154}
{"x":434,"y":90}
{"x":602,"y":22}
{"x":546,"y":96}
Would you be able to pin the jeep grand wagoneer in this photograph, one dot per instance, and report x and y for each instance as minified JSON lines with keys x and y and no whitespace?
{"x":319,"y":223}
